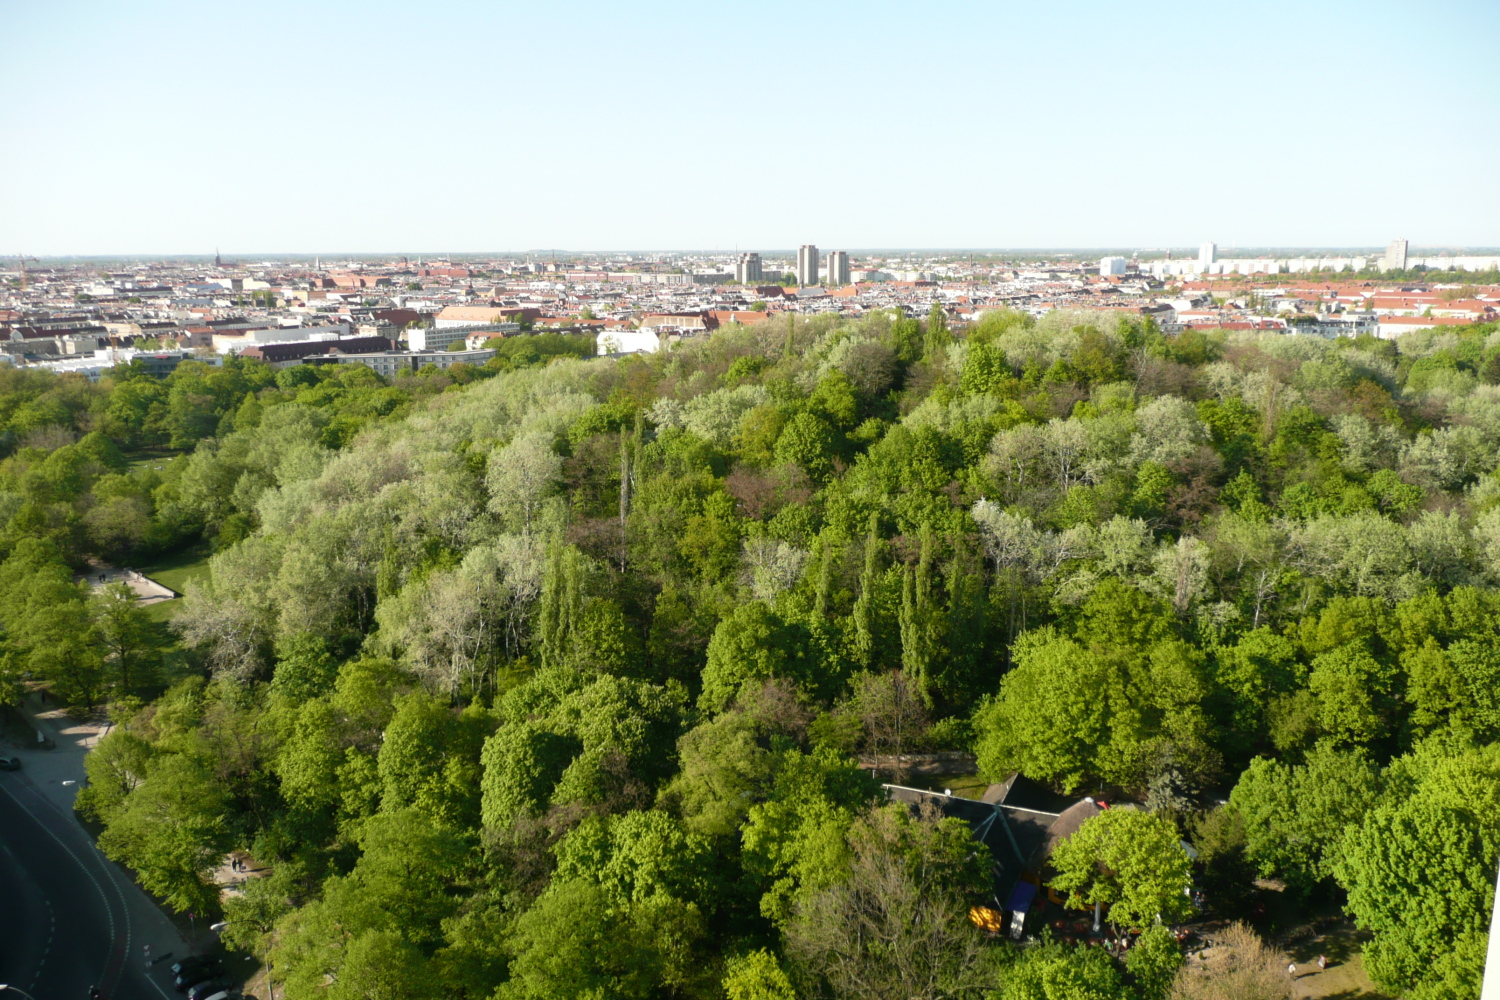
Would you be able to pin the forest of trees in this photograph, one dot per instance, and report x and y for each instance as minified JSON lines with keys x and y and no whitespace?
{"x":548,"y":679}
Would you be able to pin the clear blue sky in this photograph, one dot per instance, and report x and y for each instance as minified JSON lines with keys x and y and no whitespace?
{"x":428,"y":127}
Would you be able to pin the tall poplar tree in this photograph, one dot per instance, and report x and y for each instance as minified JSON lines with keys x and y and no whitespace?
{"x":561,"y":604}
{"x":919,"y":621}
{"x":864,"y":605}
{"x":938,"y":337}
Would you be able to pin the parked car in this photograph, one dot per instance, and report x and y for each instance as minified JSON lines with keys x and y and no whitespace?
{"x":190,"y":972}
{"x":221,"y":995}
{"x":10,"y":763}
{"x":207,"y":989}
{"x":194,"y":963}
{"x":189,"y":981}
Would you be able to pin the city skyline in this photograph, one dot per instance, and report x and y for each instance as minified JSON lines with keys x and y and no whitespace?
{"x":174,"y":128}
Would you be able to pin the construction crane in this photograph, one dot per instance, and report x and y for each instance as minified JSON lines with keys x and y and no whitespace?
{"x":24,"y":259}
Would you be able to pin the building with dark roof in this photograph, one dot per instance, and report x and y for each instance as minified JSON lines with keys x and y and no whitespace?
{"x":281,"y":355}
{"x":1021,"y":823}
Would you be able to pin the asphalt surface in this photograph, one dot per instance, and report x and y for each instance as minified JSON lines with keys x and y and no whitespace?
{"x":69,"y":917}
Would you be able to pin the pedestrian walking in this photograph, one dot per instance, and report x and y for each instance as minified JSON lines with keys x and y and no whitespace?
{"x":1322,"y":963}
{"x":1291,"y":970}
{"x":146,"y":948}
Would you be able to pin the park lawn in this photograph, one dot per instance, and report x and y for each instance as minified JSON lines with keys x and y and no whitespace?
{"x":163,"y":611}
{"x":177,"y":569}
{"x":148,"y":460}
{"x":964,"y":786}
{"x":1345,"y":978}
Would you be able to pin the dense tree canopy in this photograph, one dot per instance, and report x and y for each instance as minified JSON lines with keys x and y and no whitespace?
{"x":547,"y":679}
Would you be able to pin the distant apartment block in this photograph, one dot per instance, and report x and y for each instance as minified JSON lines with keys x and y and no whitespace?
{"x":747,"y":269}
{"x":392,"y":363}
{"x":461,"y":316}
{"x":1208,"y":253}
{"x":423,"y":338}
{"x":283,"y":355}
{"x":237,"y":338}
{"x":807,"y":264}
{"x":1395,"y":255}
{"x":838,"y":267}
{"x":1111,"y":266}
{"x":623,"y":341}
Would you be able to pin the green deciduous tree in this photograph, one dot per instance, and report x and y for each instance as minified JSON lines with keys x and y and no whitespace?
{"x":753,"y":645}
{"x":1049,"y":718}
{"x":1153,"y":962}
{"x":757,"y":975}
{"x":794,"y":842}
{"x":807,"y":442}
{"x":1131,"y":860}
{"x":1420,"y":872}
{"x":1296,"y":816}
{"x":895,"y":923}
{"x":573,"y":944}
{"x":1057,"y":972}
{"x":171,"y":830}
{"x":639,"y":856}
{"x":429,"y":759}
{"x":132,"y":642}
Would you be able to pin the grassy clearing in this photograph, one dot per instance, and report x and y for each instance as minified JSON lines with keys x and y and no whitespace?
{"x":1344,"y":979}
{"x":177,"y":569}
{"x":163,"y":611}
{"x":151,"y":460}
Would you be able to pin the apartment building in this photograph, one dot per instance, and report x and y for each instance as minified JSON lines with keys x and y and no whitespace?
{"x":747,"y":269}
{"x":838,"y":267}
{"x":807,"y":264}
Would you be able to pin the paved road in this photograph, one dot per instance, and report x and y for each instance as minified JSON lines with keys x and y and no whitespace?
{"x":69,"y":917}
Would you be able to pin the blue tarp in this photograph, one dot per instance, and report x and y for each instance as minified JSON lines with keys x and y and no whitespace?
{"x":1021,"y":896}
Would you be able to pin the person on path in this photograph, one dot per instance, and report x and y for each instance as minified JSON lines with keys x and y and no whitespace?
{"x":1322,"y":963}
{"x":1291,"y":970}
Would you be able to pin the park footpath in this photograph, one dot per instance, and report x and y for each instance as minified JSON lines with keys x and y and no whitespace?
{"x":57,"y":774}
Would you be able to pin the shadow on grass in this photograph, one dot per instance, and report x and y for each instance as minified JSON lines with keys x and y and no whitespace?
{"x":177,"y":569}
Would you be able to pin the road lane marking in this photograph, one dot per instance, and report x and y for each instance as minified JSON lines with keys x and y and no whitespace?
{"x":108,"y":912}
{"x":105,"y":864}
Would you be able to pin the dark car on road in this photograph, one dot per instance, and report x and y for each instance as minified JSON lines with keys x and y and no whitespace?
{"x":10,"y":763}
{"x":191,"y":971}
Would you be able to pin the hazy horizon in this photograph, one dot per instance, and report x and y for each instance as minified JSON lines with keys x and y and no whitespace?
{"x":257,"y":256}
